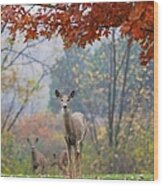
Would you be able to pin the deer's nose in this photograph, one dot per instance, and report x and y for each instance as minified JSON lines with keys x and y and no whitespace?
{"x":64,"y":106}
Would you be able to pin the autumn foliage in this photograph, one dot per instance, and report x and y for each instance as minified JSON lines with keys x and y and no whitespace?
{"x":83,"y":23}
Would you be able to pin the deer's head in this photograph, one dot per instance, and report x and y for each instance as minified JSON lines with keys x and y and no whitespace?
{"x":64,"y":99}
{"x":61,"y":158}
{"x":32,"y":145}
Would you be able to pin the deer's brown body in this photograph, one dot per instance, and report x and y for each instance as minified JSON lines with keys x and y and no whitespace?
{"x":61,"y":160}
{"x":75,"y":131}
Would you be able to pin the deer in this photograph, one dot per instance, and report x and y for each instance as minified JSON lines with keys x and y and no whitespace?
{"x":61,"y":160}
{"x":75,"y":132}
{"x":39,"y":162}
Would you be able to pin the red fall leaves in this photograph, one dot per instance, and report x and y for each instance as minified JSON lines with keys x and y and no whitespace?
{"x":83,"y":23}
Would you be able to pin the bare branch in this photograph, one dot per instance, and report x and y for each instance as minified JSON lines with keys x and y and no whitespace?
{"x":9,"y":112}
{"x":122,"y":61}
{"x":3,"y":27}
{"x":24,"y":103}
{"x":19,"y":53}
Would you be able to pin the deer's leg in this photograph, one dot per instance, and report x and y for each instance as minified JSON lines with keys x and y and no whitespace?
{"x":44,"y":170}
{"x":80,"y":159}
{"x":70,"y":161}
{"x":81,"y":150}
{"x":76,"y":162}
{"x":61,"y":168}
{"x":69,"y":157}
{"x":78,"y":150}
{"x":38,"y":171}
{"x":33,"y":170}
{"x":35,"y":167}
{"x":64,"y":170}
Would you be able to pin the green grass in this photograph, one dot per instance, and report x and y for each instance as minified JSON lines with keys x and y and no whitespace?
{"x":138,"y":177}
{"x":147,"y":177}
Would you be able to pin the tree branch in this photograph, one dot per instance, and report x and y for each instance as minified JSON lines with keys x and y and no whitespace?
{"x":9,"y":111}
{"x":24,"y":103}
{"x":19,"y":53}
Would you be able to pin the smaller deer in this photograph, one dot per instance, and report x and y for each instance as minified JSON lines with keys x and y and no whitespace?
{"x":39,"y":162}
{"x":61,"y":160}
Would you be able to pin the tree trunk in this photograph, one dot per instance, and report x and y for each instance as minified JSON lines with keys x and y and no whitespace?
{"x":112,"y":94}
{"x":122,"y":97}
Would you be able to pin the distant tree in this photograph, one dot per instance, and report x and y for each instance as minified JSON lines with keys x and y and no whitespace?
{"x":106,"y":81}
{"x":17,"y":88}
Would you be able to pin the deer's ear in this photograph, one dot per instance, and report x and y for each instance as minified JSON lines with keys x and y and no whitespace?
{"x":28,"y":140}
{"x":65,"y":154}
{"x":37,"y":139}
{"x":54,"y":155}
{"x":57,"y":93}
{"x":72,"y":94}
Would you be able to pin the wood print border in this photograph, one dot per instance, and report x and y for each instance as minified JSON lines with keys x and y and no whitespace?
{"x":155,"y":90}
{"x":155,"y":96}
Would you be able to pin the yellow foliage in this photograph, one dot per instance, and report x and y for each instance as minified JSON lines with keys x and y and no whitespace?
{"x":101,"y":133}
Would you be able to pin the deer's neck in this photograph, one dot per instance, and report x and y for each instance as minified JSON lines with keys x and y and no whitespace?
{"x":34,"y":155}
{"x":67,"y":121}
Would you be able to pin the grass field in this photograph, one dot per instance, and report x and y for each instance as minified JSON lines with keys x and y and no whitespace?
{"x":138,"y":177}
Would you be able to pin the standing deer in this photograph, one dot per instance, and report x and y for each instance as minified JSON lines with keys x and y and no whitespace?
{"x":39,"y":162}
{"x":75,"y":131}
{"x":61,"y":160}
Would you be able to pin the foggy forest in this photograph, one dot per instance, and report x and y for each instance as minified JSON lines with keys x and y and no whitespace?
{"x":101,"y":51}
